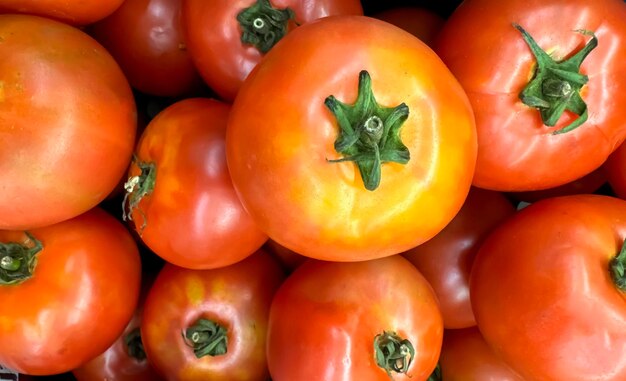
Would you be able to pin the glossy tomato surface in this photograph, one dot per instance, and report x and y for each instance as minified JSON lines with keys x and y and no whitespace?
{"x":543,"y":293}
{"x":518,"y":150}
{"x":82,"y":293}
{"x":446,"y":260}
{"x":282,"y":141}
{"x":125,"y":360}
{"x":237,"y":298}
{"x":465,"y":356}
{"x":214,"y":35}
{"x":146,"y":37}
{"x":184,"y":206}
{"x":326,"y":319}
{"x":75,"y":12}
{"x":67,"y":122}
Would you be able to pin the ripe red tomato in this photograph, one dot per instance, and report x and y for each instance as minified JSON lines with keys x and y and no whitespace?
{"x":146,"y":38}
{"x":67,"y":122}
{"x":125,"y":360}
{"x":180,"y":195}
{"x":548,"y":103}
{"x":336,"y":181}
{"x":220,"y":33}
{"x":76,"y":12}
{"x":547,"y":289}
{"x":211,"y":324}
{"x":369,"y":320}
{"x":420,"y":22}
{"x":446,"y":260}
{"x":67,"y":290}
{"x":465,"y":356}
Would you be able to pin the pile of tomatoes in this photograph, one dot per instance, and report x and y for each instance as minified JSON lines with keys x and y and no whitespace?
{"x":312,"y":190}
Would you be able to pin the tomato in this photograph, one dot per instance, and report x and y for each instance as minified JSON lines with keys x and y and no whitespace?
{"x":420,"y":22}
{"x":333,"y":187}
{"x":589,"y":183}
{"x":146,"y":38}
{"x":446,"y":260}
{"x":211,"y":324}
{"x":67,"y":290}
{"x":465,"y":356}
{"x":544,"y":289}
{"x":220,"y":34}
{"x":615,"y":169}
{"x":76,"y":12}
{"x":67,"y":122}
{"x":368,"y":320}
{"x":537,"y":130}
{"x":125,"y":360}
{"x":180,"y":195}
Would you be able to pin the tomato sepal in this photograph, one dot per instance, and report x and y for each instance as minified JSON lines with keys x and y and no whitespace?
{"x":18,"y":260}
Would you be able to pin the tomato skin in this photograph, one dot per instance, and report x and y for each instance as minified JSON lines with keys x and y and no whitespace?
{"x":517,"y":152}
{"x":193,"y":218}
{"x":420,"y":22}
{"x":279,"y":145}
{"x":325,"y":316}
{"x":217,"y":51}
{"x":116,"y":363}
{"x":589,"y":183}
{"x":465,"y":356}
{"x":446,"y":260}
{"x":146,"y":38}
{"x":75,"y":12}
{"x":542,"y":293}
{"x":237,"y":297}
{"x":82,"y":295}
{"x":66,"y":112}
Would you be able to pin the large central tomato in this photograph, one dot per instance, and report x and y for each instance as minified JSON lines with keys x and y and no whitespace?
{"x":351,"y":140}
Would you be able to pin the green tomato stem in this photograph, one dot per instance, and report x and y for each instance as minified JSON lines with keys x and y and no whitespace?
{"x":369,"y":134}
{"x":555,"y":86}
{"x":207,"y":338}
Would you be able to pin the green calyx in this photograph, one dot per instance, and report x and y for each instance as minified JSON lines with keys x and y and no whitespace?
{"x":134,"y":345}
{"x":137,"y":187}
{"x":369,"y":134}
{"x":207,"y":338}
{"x":393,"y":353}
{"x":263,"y":25}
{"x":556,"y":86}
{"x":18,"y":260}
{"x":617,"y":269}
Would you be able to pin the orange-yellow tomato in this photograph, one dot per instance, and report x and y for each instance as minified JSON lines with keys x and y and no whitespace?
{"x":283,"y":139}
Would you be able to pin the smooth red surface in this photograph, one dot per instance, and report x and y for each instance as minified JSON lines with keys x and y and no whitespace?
{"x":542,"y":293}
{"x":446,"y":260}
{"x":214,"y":36}
{"x":67,"y":122}
{"x":75,"y":12}
{"x":465,"y":356}
{"x":517,"y":152}
{"x":146,"y":37}
{"x":325,"y":316}
{"x":82,"y":295}
{"x":193,"y":218}
{"x":237,"y":297}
